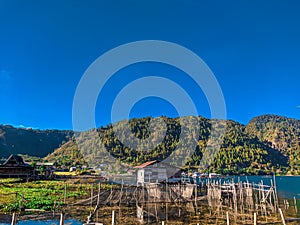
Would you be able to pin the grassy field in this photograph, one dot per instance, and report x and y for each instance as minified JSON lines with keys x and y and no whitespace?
{"x":44,"y":195}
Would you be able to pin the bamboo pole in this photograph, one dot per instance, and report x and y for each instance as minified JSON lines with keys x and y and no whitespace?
{"x":227,"y":218}
{"x":13,"y":219}
{"x":166,"y":211}
{"x":62,"y":219}
{"x":282,"y":217}
{"x":295,"y":204}
{"x":167,"y":191}
{"x":121,"y":193}
{"x":113,"y":217}
{"x":275,"y":188}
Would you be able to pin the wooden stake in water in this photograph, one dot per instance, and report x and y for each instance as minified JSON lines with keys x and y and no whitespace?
{"x":113,"y":217}
{"x":13,"y":219}
{"x":275,"y":188}
{"x":62,"y":219}
{"x":295,"y":204}
{"x":282,"y":217}
{"x":227,"y":218}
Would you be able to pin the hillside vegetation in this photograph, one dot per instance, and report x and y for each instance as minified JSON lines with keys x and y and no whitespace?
{"x":267,"y":144}
{"x":30,"y":142}
{"x":244,"y":149}
{"x":280,"y":133}
{"x":66,"y":155}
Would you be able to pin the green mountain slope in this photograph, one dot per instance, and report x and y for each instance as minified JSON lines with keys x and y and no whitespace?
{"x":266,"y":144}
{"x":280,"y":133}
{"x":31,"y":142}
{"x":244,"y":154}
{"x":240,"y":152}
{"x":66,"y":155}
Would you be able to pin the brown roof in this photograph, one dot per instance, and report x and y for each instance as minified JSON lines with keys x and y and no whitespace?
{"x":14,"y":161}
{"x":145,"y":164}
{"x":15,"y":158}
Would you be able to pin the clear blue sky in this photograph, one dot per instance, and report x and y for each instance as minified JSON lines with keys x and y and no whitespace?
{"x":253,"y":48}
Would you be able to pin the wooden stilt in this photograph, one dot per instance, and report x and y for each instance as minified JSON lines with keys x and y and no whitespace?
{"x":113,"y":217}
{"x":167,"y":191}
{"x":295,"y":204}
{"x":227,"y":218}
{"x":13,"y":219}
{"x":255,"y":219}
{"x":62,"y":219}
{"x":121,"y":194}
{"x":275,"y":189}
{"x":282,"y":217}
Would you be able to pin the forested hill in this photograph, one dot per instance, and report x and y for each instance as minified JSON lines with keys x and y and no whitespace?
{"x":267,"y":144}
{"x":280,"y":133}
{"x":32,"y":142}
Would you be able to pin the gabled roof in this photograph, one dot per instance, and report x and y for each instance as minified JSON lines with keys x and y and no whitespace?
{"x":18,"y":160}
{"x":145,"y":164}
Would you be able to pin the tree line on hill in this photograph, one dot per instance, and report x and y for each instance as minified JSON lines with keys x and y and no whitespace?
{"x":267,"y":144}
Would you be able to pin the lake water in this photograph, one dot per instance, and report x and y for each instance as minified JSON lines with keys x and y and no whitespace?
{"x":46,"y":222}
{"x":287,"y":188}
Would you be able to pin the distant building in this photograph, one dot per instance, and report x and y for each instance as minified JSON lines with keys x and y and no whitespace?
{"x":45,"y":164}
{"x":73,"y":169}
{"x":45,"y":168}
{"x":153,"y":171}
{"x":14,"y":166}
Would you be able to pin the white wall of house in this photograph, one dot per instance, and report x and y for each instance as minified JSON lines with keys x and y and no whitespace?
{"x":151,"y":175}
{"x":140,"y":176}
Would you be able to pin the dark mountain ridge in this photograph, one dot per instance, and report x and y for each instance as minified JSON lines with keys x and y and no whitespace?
{"x":29,"y":141}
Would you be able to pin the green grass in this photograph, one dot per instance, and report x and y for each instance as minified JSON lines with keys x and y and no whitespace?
{"x":45,"y":195}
